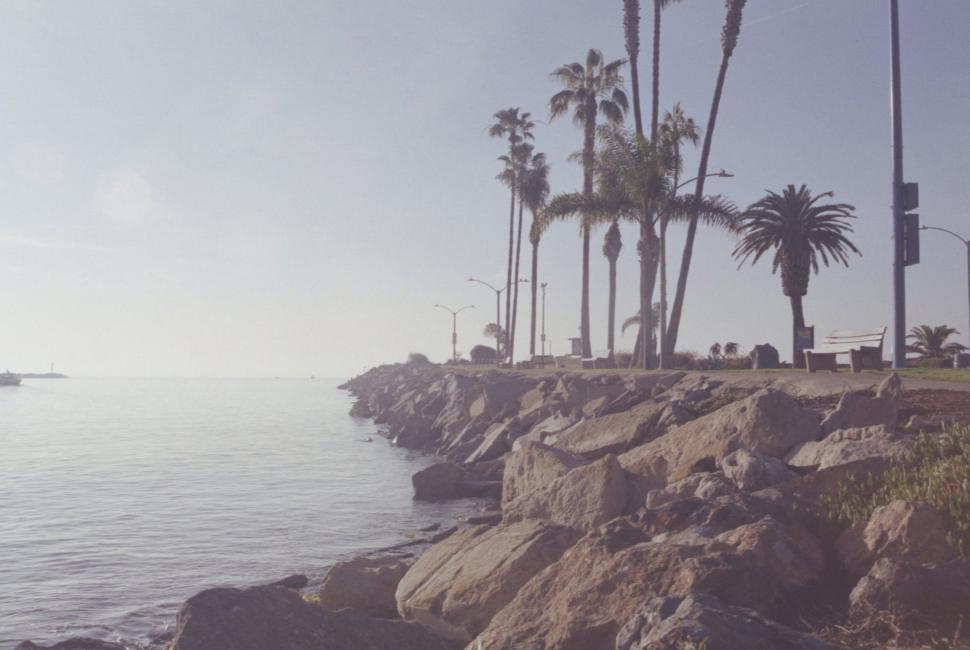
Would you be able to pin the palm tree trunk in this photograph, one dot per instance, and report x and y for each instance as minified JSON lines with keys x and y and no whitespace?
{"x":655,"y":113}
{"x":664,"y":360}
{"x":515,"y":299}
{"x":508,"y":277}
{"x":611,"y":320}
{"x":589,"y":142}
{"x":535,"y":290}
{"x":798,"y":320}
{"x":673,"y":326}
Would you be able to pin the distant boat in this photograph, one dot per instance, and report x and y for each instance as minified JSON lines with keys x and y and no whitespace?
{"x":9,"y":379}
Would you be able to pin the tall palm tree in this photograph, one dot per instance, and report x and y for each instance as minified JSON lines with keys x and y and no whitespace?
{"x":631,"y":33}
{"x":678,"y":129}
{"x":596,"y":87}
{"x":930,"y":341}
{"x":516,"y":128}
{"x":658,"y":7}
{"x":612,"y":243}
{"x":800,"y":232}
{"x":535,"y":191}
{"x":525,"y":165}
{"x":729,"y":40}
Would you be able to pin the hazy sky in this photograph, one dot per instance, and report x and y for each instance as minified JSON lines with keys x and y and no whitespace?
{"x":286,"y":188}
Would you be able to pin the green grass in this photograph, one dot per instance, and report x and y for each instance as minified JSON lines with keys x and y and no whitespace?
{"x":960,"y":375}
{"x":937,"y":472}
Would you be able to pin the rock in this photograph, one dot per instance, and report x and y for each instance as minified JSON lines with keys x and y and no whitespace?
{"x":703,"y":485}
{"x":935,"y":596}
{"x":857,"y":409}
{"x":673,"y":623}
{"x":258,"y":618}
{"x":549,"y":427}
{"x":769,"y":423}
{"x":710,"y":517}
{"x":765,"y":357}
{"x":750,"y":472}
{"x":438,"y":481}
{"x":902,"y":530}
{"x":596,"y":587}
{"x":296,"y":581}
{"x":535,"y":466}
{"x":613,"y":434}
{"x":583,"y":498}
{"x":74,"y":643}
{"x":366,"y":584}
{"x":495,"y":443}
{"x":849,"y":445}
{"x":456,"y":587}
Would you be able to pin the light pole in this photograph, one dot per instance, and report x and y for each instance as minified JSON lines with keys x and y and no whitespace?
{"x":543,"y":336}
{"x":454,"y":327}
{"x":966,"y":242}
{"x":721,"y":174}
{"x":899,"y":263}
{"x":498,"y":311}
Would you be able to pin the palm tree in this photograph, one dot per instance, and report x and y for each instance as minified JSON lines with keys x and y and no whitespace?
{"x":800,"y":233}
{"x":731,"y":349}
{"x":527,"y":165}
{"x":631,"y":33}
{"x":715,"y":351}
{"x":590,"y":89}
{"x":612,"y":243}
{"x":930,"y":341}
{"x":677,"y":128}
{"x":658,"y":7}
{"x":535,"y":191}
{"x":729,"y":40}
{"x":636,"y":320}
{"x":516,"y":128}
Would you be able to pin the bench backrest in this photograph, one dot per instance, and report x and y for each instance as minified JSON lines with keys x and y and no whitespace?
{"x":871,"y":338}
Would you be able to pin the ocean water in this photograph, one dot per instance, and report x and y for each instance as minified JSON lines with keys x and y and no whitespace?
{"x":120,"y":498}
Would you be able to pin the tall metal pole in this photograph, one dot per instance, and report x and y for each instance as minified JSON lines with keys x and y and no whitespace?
{"x":454,"y":327}
{"x":899,"y":270}
{"x":544,"y":324}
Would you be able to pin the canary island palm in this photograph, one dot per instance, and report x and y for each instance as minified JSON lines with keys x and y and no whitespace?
{"x":801,"y":232}
{"x":516,"y":128}
{"x":590,"y":89}
{"x":930,"y":341}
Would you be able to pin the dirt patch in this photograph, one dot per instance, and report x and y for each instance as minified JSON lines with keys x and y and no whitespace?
{"x":922,"y":401}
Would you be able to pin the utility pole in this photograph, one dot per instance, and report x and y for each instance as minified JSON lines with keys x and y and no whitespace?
{"x":543,"y":337}
{"x":454,"y":327}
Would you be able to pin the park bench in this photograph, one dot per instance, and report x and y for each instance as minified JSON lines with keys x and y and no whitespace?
{"x":864,"y":348}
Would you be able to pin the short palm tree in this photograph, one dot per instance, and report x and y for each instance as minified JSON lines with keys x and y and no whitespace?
{"x":534,"y":192}
{"x":590,"y":89}
{"x":612,"y":243}
{"x":731,"y":349}
{"x":801,"y":232}
{"x":715,"y":351}
{"x":517,"y":128}
{"x":930,"y":341}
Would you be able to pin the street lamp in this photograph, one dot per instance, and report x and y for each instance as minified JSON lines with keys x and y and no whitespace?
{"x":454,"y":327}
{"x":498,"y":313}
{"x":966,"y":242}
{"x":720,"y":174}
{"x":543,"y":337}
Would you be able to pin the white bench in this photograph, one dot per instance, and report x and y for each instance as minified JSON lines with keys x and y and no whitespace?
{"x":864,"y":348}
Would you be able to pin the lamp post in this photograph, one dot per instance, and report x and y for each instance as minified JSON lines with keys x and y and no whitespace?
{"x":498,"y":311}
{"x":454,"y":327}
{"x":720,"y":174}
{"x":966,"y":242}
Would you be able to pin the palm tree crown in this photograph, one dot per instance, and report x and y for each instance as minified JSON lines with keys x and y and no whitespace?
{"x":800,"y":231}
{"x":591,"y":88}
{"x":511,"y":124}
{"x":930,"y":341}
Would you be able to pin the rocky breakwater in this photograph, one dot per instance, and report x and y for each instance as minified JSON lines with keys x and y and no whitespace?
{"x":653,"y":511}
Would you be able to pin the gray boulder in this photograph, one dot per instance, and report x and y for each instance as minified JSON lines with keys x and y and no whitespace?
{"x":533,"y":467}
{"x":850,"y":445}
{"x":750,"y":472}
{"x":857,"y":409}
{"x":366,"y":584}
{"x":765,"y":357}
{"x":438,"y":481}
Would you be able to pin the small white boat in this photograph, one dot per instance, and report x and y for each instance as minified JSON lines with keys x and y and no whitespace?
{"x":9,"y":379}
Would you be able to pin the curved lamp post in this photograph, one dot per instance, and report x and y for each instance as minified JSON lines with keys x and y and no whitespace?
{"x":498,"y":312}
{"x":966,"y":242}
{"x":454,"y":327}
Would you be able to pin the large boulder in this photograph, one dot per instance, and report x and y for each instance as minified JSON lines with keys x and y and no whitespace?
{"x":901,"y":530}
{"x":596,"y":587}
{"x":583,"y":498}
{"x":616,"y":433}
{"x":366,"y":584}
{"x":258,"y":618}
{"x":437,"y":481}
{"x":848,"y":445}
{"x":458,"y":585}
{"x":702,"y":620}
{"x":857,"y":409}
{"x":769,"y":422}
{"x":750,"y":472}
{"x":933,"y":596}
{"x":545,"y":429}
{"x":535,"y":466}
{"x":765,"y":357}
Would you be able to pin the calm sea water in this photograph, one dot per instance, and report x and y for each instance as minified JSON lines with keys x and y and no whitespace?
{"x":119,"y":498}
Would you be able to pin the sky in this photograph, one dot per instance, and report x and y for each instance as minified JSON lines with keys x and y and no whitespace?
{"x":241,"y":188}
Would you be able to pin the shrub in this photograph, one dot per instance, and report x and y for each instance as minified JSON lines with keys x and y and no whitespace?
{"x":482,"y":354}
{"x":937,"y":472}
{"x":418,"y":359}
{"x":623,"y":359}
{"x":934,"y":362}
